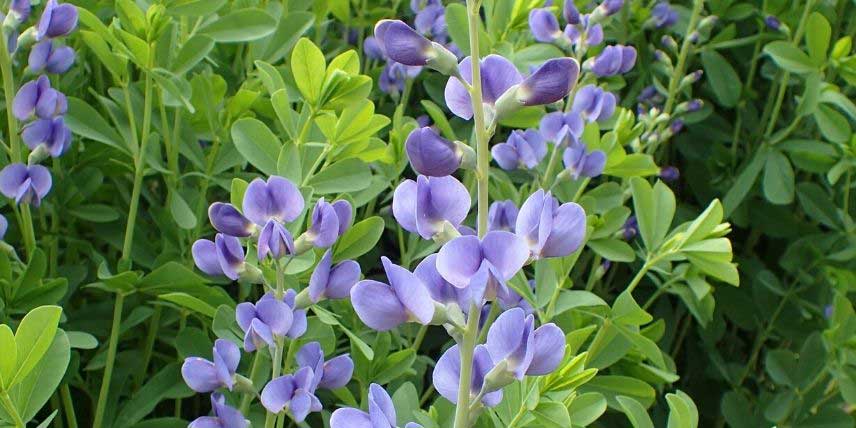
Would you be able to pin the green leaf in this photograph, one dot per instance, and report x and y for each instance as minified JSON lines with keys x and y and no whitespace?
{"x":632,"y":165}
{"x":192,"y":51}
{"x":33,"y":392}
{"x":81,"y":340}
{"x":683,"y":413}
{"x":439,"y":119}
{"x":613,"y":386}
{"x":788,"y":57}
{"x":290,"y":27}
{"x":9,"y":360}
{"x":815,"y":202}
{"x":457,"y":23}
{"x":181,"y":211}
{"x":259,"y":146}
{"x":723,"y":79}
{"x":744,"y":182}
{"x":349,"y":175}
{"x":635,"y":412}
{"x":394,"y":365}
{"x":654,"y":208}
{"x":359,"y":239}
{"x":833,"y":125}
{"x":626,"y":311}
{"x":95,"y":213}
{"x":33,"y":338}
{"x":190,"y":302}
{"x":87,"y":122}
{"x":144,"y":400}
{"x":551,"y":414}
{"x":613,"y":249}
{"x":778,"y":183}
{"x":288,"y":162}
{"x":308,"y":67}
{"x":195,"y":7}
{"x":242,"y":25}
{"x":817,"y":37}
{"x":586,"y":408}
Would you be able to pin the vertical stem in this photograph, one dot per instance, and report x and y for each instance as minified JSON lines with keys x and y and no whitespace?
{"x":245,"y":401}
{"x":111,"y":358}
{"x":680,"y":67}
{"x":468,"y":342}
{"x":68,"y":405}
{"x":154,"y":326}
{"x":25,"y":219}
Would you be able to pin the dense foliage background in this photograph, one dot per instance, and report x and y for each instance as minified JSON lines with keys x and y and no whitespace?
{"x":740,"y":111}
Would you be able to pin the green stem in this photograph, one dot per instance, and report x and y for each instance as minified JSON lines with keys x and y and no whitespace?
{"x":680,"y":67}
{"x":420,"y":336}
{"x":68,"y":406}
{"x":9,"y":405}
{"x":154,"y":326}
{"x":248,"y":398}
{"x":16,"y":150}
{"x":468,"y":342}
{"x":270,"y":418}
{"x":111,"y":359}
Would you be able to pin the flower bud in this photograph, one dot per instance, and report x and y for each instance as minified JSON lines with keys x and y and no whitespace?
{"x":669,"y":42}
{"x":548,"y":84}
{"x":432,"y":155}
{"x":616,"y":59}
{"x":669,"y":174}
{"x":570,"y":12}
{"x":773,"y":22}
{"x":544,"y":25}
{"x":403,"y":44}
{"x":57,"y":20}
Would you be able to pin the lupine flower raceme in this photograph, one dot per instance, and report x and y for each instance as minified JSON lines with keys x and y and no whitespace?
{"x":383,"y":307}
{"x":269,"y":204}
{"x":202,"y":375}
{"x":550,"y":229}
{"x":426,"y":206}
{"x":524,"y":149}
{"x":381,"y":413}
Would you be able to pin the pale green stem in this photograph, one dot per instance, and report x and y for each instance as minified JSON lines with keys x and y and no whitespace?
{"x":12,"y":410}
{"x":248,"y":398}
{"x":111,"y":358}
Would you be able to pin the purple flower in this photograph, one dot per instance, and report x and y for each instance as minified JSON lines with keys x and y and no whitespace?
{"x":580,"y":162}
{"x":550,"y":229}
{"x":676,"y":126}
{"x":275,"y":199}
{"x":403,"y":44}
{"x":515,"y":345}
{"x":299,"y":322}
{"x":441,"y":291}
{"x":333,"y":282}
{"x":692,"y":106}
{"x":522,"y":150}
{"x":585,"y":33}
{"x":37,"y":97}
{"x":202,"y":375}
{"x":394,"y":76}
{"x":294,"y":394}
{"x":514,"y":300}
{"x":594,"y":104}
{"x":25,"y":184}
{"x":274,"y":240}
{"x":497,"y":75}
{"x":225,"y":416}
{"x":447,"y":375}
{"x":425,"y":205}
{"x":431,"y":22}
{"x":325,"y":225}
{"x":550,"y":83}
{"x":432,"y":155}
{"x":46,"y":55}
{"x":647,"y":94}
{"x":417,"y":5}
{"x":669,"y":174}
{"x":332,"y":374}
{"x":223,"y":256}
{"x":57,"y":20}
{"x":544,"y":25}
{"x":570,"y":12}
{"x":381,"y":413}
{"x":20,"y":9}
{"x":373,"y":49}
{"x":560,"y":126}
{"x":50,"y":133}
{"x":630,"y":228}
{"x":383,"y":307}
{"x":227,"y":219}
{"x":261,"y":323}
{"x":345,"y":214}
{"x":483,"y":265}
{"x":773,"y":22}
{"x":502,"y":215}
{"x":610,"y":7}
{"x":663,"y":15}
{"x":616,"y":59}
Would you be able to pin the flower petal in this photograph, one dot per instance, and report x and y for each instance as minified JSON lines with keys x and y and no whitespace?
{"x":550,"y":83}
{"x":410,"y":291}
{"x":347,"y":417}
{"x":278,"y":393}
{"x":447,"y":374}
{"x":456,"y":95}
{"x":505,"y":251}
{"x":549,"y":344}
{"x":404,"y":205}
{"x":377,"y":305}
{"x":337,"y":372}
{"x":568,"y":231}
{"x":200,"y":375}
{"x":205,"y":256}
{"x":459,"y":260}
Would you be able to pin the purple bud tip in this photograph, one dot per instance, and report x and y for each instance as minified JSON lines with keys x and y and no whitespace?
{"x":773,"y":22}
{"x":550,"y":83}
{"x":57,"y":20}
{"x":669,"y":174}
{"x":694,"y":105}
{"x":430,"y":154}
{"x":402,"y":43}
{"x":676,"y":126}
{"x":611,"y":7}
{"x":631,"y":228}
{"x":663,"y":15}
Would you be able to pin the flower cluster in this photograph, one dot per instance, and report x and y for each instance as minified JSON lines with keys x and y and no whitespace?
{"x":269,"y":208}
{"x":38,"y":105}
